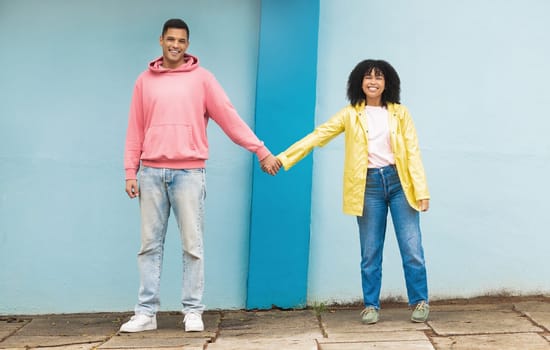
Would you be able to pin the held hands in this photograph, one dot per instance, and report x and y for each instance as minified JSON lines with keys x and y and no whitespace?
{"x":270,"y":165}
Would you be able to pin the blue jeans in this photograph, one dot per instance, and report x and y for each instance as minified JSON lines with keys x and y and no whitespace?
{"x":183,"y":191}
{"x":384,"y":191}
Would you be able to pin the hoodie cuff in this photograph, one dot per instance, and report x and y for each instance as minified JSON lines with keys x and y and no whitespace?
{"x":131,"y":174}
{"x":262,"y":152}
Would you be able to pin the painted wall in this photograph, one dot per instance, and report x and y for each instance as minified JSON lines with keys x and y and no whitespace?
{"x":68,"y":233}
{"x":285,"y":109}
{"x":475,"y":78}
{"x":475,"y":82}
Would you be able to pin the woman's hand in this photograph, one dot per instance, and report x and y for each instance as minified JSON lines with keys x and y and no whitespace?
{"x":424,"y":204}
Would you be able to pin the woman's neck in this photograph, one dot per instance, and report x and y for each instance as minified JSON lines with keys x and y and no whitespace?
{"x":374,"y":103}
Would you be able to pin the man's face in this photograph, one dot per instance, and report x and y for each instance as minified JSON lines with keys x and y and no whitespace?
{"x":174,"y":43}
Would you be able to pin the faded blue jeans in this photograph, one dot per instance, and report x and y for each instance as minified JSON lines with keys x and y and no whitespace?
{"x":184,"y":192}
{"x":383,"y":192}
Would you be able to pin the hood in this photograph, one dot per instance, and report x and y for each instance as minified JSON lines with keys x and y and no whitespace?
{"x":191,"y":63}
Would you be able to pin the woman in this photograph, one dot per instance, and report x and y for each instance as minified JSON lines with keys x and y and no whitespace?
{"x":383,"y":170}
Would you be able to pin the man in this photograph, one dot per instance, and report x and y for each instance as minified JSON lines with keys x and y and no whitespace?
{"x":171,"y":105}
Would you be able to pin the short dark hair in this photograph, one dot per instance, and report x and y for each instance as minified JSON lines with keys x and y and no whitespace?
{"x":392,"y":88}
{"x":175,"y":23}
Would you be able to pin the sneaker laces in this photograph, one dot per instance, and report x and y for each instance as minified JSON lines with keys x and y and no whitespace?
{"x":367,"y":310}
{"x":420,"y":306}
{"x":192,"y":316}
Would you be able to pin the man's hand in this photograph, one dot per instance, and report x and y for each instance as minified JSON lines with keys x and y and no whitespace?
{"x":424,"y":204}
{"x":270,"y":164}
{"x":132,"y":188}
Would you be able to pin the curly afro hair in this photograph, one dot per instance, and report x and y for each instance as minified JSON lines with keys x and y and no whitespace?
{"x":392,"y":88}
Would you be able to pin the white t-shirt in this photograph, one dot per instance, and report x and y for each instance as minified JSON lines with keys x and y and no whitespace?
{"x":378,"y":134}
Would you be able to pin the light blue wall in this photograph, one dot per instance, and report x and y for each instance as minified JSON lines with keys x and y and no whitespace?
{"x":68,"y":233}
{"x":475,"y":78}
{"x":474,"y":75}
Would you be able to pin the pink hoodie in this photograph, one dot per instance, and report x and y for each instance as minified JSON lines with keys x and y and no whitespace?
{"x":169,"y":112}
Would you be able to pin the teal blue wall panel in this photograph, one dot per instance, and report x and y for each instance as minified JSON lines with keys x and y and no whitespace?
{"x":285,"y":110}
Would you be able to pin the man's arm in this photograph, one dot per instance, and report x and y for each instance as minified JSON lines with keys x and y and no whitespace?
{"x":221,"y":110}
{"x":134,"y":141}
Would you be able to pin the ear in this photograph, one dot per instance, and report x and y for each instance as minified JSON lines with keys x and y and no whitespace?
{"x":160,"y":40}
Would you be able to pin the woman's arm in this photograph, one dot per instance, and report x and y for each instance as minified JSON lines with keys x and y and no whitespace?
{"x":322,"y":135}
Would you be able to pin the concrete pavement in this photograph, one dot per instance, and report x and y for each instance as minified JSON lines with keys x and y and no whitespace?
{"x":489,"y":324}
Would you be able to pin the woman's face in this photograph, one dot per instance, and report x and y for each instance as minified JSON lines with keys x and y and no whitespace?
{"x":373,"y":87}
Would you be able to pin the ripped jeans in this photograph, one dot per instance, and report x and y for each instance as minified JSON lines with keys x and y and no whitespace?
{"x":184,"y":192}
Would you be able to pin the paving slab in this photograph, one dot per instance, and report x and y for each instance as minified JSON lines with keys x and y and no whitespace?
{"x":37,"y":341}
{"x":276,"y":333}
{"x":538,"y":312}
{"x":531,"y":341}
{"x":91,"y":346}
{"x":349,"y":321}
{"x":262,"y":344}
{"x":274,"y":329}
{"x":72,"y":325}
{"x":268,"y":323}
{"x":541,"y":319}
{"x":504,"y":306}
{"x":374,"y":337}
{"x":388,"y":345}
{"x":529,"y":306}
{"x":176,"y":341}
{"x":10,"y":325}
{"x":272,"y":319}
{"x":64,"y":330}
{"x":394,"y":330}
{"x":479,"y":322}
{"x":186,"y":347}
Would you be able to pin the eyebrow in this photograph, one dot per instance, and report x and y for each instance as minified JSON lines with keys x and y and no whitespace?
{"x":169,"y":37}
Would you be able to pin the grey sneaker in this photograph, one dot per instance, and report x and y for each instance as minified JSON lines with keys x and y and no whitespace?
{"x":369,"y":315}
{"x":421,"y":312}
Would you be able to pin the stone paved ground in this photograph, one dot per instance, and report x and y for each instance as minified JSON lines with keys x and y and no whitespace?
{"x":512,"y":323}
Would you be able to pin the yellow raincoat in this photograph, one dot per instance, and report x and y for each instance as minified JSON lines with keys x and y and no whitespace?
{"x":352,"y":121}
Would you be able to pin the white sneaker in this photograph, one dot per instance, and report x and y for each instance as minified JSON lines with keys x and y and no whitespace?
{"x":139,"y":323}
{"x":193,"y":322}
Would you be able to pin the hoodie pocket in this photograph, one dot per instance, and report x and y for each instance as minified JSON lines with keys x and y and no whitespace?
{"x":170,"y":142}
